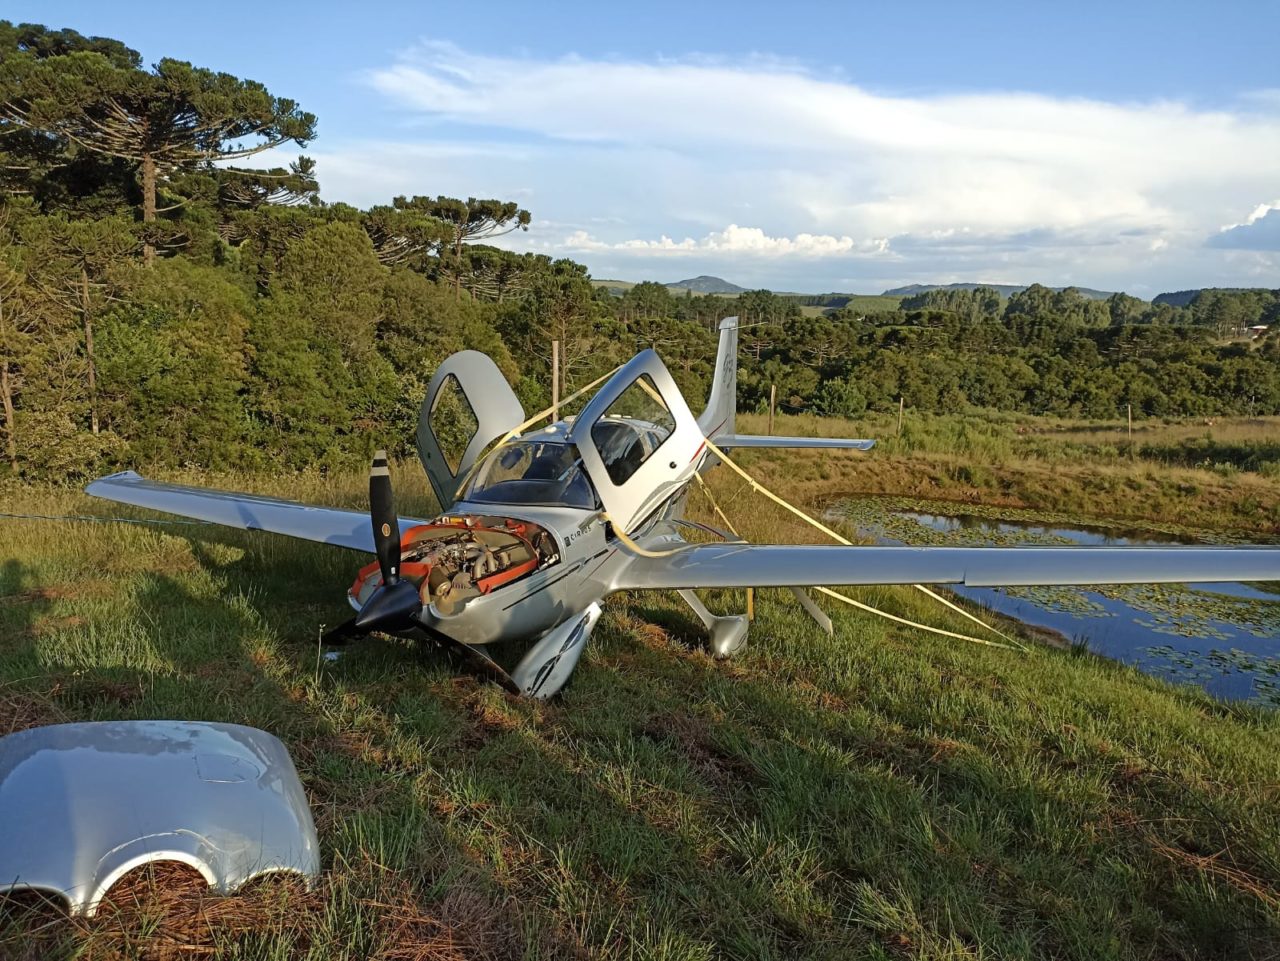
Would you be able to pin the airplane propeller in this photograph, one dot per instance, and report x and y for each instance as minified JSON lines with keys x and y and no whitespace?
{"x":394,"y":601}
{"x":394,"y":604}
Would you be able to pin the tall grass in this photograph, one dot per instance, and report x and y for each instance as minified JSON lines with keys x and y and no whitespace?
{"x":1249,"y":444}
{"x":1075,"y":469}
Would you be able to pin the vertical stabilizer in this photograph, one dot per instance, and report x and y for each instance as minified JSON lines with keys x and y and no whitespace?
{"x":723,"y":403}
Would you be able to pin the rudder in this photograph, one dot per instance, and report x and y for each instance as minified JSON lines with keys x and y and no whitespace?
{"x":722,"y":404}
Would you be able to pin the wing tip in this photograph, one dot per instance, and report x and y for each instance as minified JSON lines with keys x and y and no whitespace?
{"x":124,"y":476}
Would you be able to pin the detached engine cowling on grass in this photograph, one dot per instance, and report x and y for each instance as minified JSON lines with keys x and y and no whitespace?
{"x":458,"y":557}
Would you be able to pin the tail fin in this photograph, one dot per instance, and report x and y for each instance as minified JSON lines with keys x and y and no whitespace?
{"x":722,"y":405}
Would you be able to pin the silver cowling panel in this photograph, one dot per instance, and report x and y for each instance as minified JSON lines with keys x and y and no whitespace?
{"x":85,"y":803}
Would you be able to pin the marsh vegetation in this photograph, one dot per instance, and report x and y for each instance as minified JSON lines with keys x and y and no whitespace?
{"x":1221,"y":636}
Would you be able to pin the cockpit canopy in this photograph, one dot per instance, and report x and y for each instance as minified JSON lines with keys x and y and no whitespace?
{"x":533,"y":471}
{"x":547,"y":471}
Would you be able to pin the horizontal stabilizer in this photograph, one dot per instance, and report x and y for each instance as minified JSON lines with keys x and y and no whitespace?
{"x":326,"y":525}
{"x":726,"y":441}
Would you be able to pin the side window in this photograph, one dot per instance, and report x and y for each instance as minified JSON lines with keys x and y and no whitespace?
{"x":619,"y":434}
{"x":452,"y":421}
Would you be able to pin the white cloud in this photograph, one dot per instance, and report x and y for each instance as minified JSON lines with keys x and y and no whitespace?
{"x":1013,"y":183}
{"x":736,"y":240}
{"x":1258,"y":213}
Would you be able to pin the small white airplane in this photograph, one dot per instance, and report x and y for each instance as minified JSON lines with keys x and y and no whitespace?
{"x":536,"y":533}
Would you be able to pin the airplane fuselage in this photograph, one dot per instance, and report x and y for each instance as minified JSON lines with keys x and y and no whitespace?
{"x":588,"y":569}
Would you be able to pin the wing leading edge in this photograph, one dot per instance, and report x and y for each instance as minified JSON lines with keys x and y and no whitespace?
{"x":250,"y":512}
{"x":759,"y":565}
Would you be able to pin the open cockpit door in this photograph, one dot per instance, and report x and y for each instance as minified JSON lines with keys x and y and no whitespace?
{"x":637,"y":439}
{"x":469,"y":405}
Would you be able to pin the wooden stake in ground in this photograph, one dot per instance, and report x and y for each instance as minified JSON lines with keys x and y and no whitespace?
{"x":555,"y":380}
{"x":1130,"y":409}
{"x":901,"y":402}
{"x":773,"y":402}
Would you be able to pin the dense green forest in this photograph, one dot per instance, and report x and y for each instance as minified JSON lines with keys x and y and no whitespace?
{"x":164,"y":302}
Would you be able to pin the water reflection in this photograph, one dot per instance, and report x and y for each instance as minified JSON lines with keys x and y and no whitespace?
{"x":1220,"y":636}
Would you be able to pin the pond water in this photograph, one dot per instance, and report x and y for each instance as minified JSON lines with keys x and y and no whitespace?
{"x":1224,"y":637}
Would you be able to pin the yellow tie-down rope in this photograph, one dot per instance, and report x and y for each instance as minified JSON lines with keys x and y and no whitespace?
{"x":814,"y":522}
{"x":751,"y":592}
{"x":759,"y":488}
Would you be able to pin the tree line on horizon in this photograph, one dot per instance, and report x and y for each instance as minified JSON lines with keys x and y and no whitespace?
{"x":165,"y":303}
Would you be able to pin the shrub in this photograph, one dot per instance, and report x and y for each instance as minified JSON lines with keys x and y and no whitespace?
{"x":841,"y":398}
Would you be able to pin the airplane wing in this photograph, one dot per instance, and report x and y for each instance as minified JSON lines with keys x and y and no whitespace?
{"x":250,"y":512}
{"x":760,"y":565}
{"x":726,"y":441}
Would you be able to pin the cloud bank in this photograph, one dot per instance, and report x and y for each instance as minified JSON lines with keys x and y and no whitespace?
{"x":750,"y":241}
{"x":769,"y":171}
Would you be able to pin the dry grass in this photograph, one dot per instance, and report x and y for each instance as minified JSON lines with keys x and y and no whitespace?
{"x":992,"y":463}
{"x":22,"y":710}
{"x":166,"y":912}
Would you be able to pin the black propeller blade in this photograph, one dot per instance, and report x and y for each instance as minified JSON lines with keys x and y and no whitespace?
{"x":394,"y":604}
{"x":386,"y":526}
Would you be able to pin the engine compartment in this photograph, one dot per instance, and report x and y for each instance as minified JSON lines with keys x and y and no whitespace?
{"x":458,"y":557}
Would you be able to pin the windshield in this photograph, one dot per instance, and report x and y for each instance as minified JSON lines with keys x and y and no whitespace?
{"x":545,"y":472}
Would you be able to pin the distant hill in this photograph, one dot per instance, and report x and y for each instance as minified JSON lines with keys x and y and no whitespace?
{"x":615,"y":287}
{"x":707,"y":285}
{"x":1005,"y":290}
{"x":699,"y":285}
{"x":1180,"y":298}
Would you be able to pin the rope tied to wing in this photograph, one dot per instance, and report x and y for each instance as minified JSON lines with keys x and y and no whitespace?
{"x":838,"y":538}
{"x":813,"y":522}
{"x":759,"y":488}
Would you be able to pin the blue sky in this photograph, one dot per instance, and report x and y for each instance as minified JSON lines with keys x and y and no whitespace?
{"x":803,"y":146}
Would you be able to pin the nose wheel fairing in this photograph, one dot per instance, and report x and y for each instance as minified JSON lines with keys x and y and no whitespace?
{"x":547,"y":666}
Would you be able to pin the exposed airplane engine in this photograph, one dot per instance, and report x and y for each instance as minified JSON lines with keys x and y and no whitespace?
{"x":459,"y":557}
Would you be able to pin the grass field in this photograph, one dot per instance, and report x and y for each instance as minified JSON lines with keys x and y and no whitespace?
{"x":869,"y":303}
{"x":879,"y":794}
{"x":623,"y":285}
